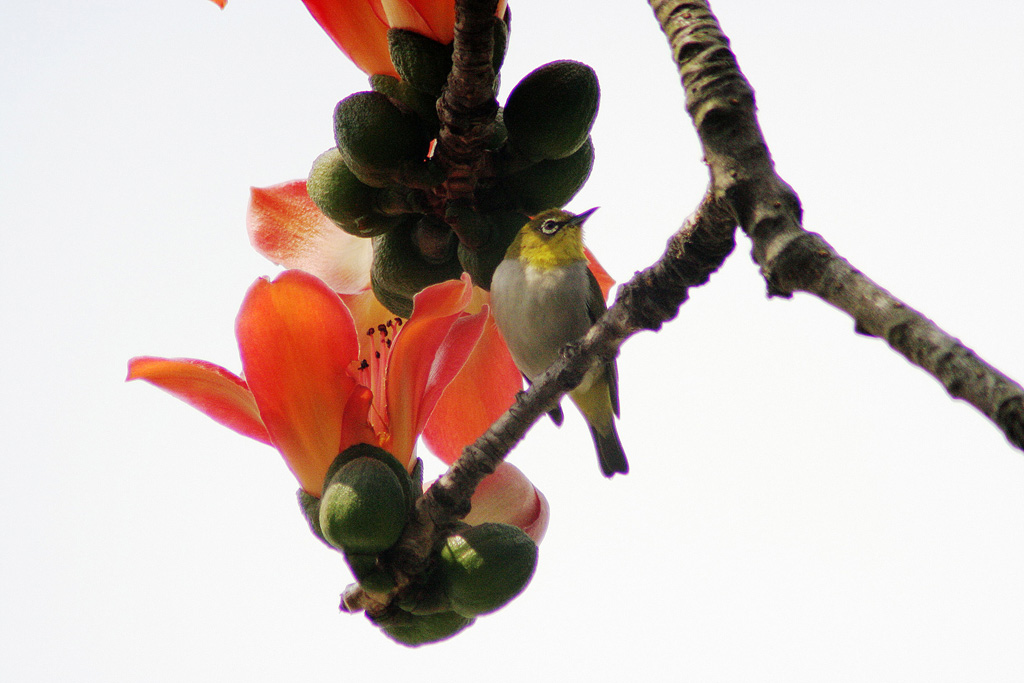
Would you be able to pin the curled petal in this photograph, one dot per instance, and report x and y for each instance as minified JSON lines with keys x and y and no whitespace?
{"x":287,"y":227}
{"x":428,"y":353}
{"x":296,"y":340}
{"x":222,"y":395}
{"x":483,"y":390}
{"x":433,"y":19}
{"x":356,"y":426}
{"x":357,"y":27}
{"x":507,"y":496}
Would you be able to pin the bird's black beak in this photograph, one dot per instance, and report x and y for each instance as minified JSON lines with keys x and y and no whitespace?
{"x":580,"y":218}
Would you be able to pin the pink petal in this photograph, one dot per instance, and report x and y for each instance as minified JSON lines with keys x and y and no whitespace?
{"x":287,"y":227}
{"x":368,"y":313}
{"x":297,"y":340}
{"x":220,"y":394}
{"x":508,"y":497}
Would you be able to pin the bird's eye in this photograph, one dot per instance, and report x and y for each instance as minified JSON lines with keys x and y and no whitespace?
{"x":550,"y":226}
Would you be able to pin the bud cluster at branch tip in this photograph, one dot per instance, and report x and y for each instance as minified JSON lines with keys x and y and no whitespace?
{"x":368,"y":497}
{"x":381,"y":181}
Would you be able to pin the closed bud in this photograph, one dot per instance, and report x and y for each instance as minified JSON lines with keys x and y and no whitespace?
{"x":427,"y":598}
{"x":486,"y":566}
{"x":310,"y":506}
{"x":339,"y":193}
{"x":369,"y":574}
{"x":421,"y":62}
{"x":550,"y":112}
{"x":550,"y":184}
{"x":424,"y":104}
{"x":364,"y":507}
{"x":399,"y":270}
{"x":414,"y":630}
{"x":380,"y":141}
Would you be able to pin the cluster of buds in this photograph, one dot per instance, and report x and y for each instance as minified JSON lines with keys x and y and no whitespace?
{"x":382,"y":181}
{"x":367,"y":499}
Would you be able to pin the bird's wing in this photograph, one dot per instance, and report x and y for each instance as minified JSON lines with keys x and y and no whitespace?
{"x":595,"y":309}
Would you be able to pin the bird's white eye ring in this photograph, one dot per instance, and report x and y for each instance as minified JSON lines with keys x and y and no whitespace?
{"x":550,"y":226}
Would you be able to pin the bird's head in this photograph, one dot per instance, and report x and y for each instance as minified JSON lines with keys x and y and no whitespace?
{"x":551,"y":239}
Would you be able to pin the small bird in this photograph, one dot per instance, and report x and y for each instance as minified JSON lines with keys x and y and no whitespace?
{"x":544,"y":296}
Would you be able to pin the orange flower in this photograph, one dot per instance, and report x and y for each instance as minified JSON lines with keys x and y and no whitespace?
{"x":320,"y":377}
{"x":288,"y":229}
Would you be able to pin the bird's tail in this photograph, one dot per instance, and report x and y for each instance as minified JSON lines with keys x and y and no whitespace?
{"x":609,"y":451}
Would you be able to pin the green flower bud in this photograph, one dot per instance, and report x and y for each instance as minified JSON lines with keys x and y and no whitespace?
{"x":420,"y":61}
{"x":501,"y":228}
{"x":391,"y":299}
{"x":424,"y":104}
{"x":374,"y":224}
{"x":415,"y":630}
{"x":499,"y":134}
{"x":369,"y":575}
{"x":381,"y":141}
{"x":429,"y":597}
{"x":550,"y":112}
{"x":365,"y":450}
{"x":339,"y":193}
{"x":486,"y":566}
{"x":399,"y":270}
{"x":364,"y":507}
{"x":310,"y":506}
{"x":550,"y":184}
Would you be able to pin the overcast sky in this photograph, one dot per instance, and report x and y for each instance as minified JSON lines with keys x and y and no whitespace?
{"x":803,"y":504}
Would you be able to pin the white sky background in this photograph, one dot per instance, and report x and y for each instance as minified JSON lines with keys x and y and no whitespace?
{"x":803,"y":504}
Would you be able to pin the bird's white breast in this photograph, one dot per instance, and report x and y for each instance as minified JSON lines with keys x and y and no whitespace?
{"x":539,"y":311}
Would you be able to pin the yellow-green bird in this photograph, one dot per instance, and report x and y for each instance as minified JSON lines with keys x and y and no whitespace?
{"x":544,"y":296}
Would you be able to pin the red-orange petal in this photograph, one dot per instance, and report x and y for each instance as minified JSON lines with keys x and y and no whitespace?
{"x":483,"y":390}
{"x":433,"y":19}
{"x":356,"y":27}
{"x":603,"y":278}
{"x":428,"y":353}
{"x":296,"y":340}
{"x":508,"y":497}
{"x":355,"y":423}
{"x":220,"y":3}
{"x":287,"y":227}
{"x":221,"y":394}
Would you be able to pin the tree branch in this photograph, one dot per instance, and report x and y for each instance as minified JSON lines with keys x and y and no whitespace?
{"x":744,"y":190}
{"x":721,"y":103}
{"x":467,"y":106}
